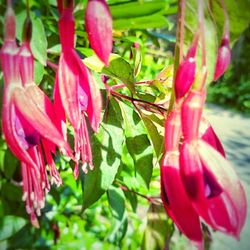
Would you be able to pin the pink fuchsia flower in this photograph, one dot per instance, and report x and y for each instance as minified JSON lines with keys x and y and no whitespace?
{"x":185,"y":74}
{"x":98,"y":22}
{"x":210,"y":182}
{"x":76,"y":92}
{"x":223,"y":58}
{"x":175,"y":200}
{"x":27,"y":120}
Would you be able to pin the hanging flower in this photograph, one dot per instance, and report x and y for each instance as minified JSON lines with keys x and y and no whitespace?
{"x":27,"y":119}
{"x":175,"y":200}
{"x":210,"y":182}
{"x":76,"y":93}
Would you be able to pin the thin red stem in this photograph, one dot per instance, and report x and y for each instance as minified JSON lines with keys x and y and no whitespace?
{"x":226,"y":16}
{"x":52,"y":65}
{"x":178,"y":54}
{"x":151,"y":199}
{"x":122,"y":85}
{"x":202,"y":28}
{"x":182,"y":24}
{"x":142,"y":103}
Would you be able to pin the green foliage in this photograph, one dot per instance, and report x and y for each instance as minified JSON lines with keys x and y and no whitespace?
{"x":115,"y":206}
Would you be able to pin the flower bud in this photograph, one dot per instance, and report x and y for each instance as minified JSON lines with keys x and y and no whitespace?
{"x":98,"y":23}
{"x":10,"y":24}
{"x":223,"y":58}
{"x":27,"y":30}
{"x":185,"y":74}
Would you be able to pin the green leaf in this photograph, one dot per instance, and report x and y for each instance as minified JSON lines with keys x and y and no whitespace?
{"x":138,"y":144}
{"x":118,"y":68}
{"x":10,"y":164}
{"x":107,"y":148}
{"x":39,"y":72}
{"x":9,"y":225}
{"x":137,"y":61}
{"x":145,"y":22}
{"x":158,"y":231}
{"x":11,"y":192}
{"x":38,"y":42}
{"x":116,"y":200}
{"x":154,"y":134}
{"x":136,"y":9}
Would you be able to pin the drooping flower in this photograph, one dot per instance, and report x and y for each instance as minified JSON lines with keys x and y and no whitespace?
{"x":176,"y":202}
{"x":76,"y":93}
{"x":27,"y":119}
{"x":210,"y":182}
{"x":98,"y":22}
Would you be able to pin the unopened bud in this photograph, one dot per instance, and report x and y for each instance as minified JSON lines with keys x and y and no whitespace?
{"x":98,"y":23}
{"x":27,"y":30}
{"x":223,"y":58}
{"x":10,"y":24}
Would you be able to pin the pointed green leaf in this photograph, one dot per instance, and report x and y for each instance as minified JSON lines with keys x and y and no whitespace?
{"x":118,"y":68}
{"x":107,"y":148}
{"x":138,"y":144}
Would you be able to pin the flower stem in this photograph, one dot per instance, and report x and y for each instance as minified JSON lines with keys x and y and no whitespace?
{"x":178,"y":54}
{"x":202,"y":28}
{"x":153,"y":200}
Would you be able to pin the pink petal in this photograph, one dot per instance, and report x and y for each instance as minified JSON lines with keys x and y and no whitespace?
{"x":233,"y":198}
{"x":37,"y":109}
{"x":94,"y":100}
{"x":98,"y":23}
{"x":60,"y":120}
{"x":68,"y":80}
{"x":67,"y":28}
{"x":16,"y":144}
{"x":208,"y":135}
{"x":172,"y":131}
{"x":176,"y":201}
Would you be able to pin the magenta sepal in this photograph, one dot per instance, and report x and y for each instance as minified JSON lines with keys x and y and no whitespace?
{"x":172,"y":130}
{"x":176,"y":202}
{"x":98,"y":22}
{"x":213,"y":186}
{"x":208,"y":134}
{"x":191,"y":112}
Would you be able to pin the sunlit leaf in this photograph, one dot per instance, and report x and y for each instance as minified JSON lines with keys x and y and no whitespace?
{"x":107,"y":147}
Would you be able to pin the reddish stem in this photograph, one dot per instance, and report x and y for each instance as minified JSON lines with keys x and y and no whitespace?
{"x":52,"y":65}
{"x":182,"y":22}
{"x":202,"y":28}
{"x":122,"y":85}
{"x":226,"y":24}
{"x":151,"y":199}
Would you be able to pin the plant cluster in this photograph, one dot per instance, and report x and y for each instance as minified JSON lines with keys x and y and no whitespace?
{"x":110,"y":133}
